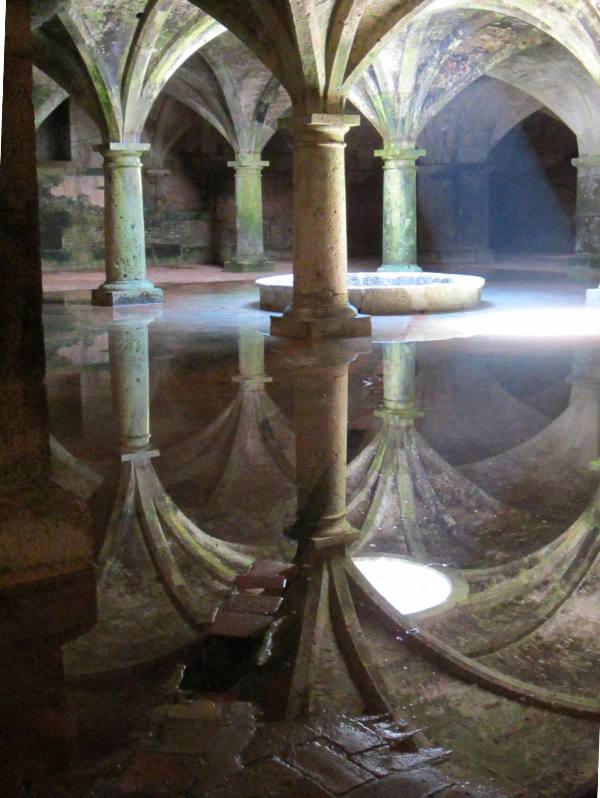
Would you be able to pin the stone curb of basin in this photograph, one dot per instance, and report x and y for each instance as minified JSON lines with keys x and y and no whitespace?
{"x":387,"y":294}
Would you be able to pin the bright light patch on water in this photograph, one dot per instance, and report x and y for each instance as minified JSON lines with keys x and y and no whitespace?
{"x":539,"y":323}
{"x":408,"y":586}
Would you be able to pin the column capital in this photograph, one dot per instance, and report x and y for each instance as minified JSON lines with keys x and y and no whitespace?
{"x":117,"y":150}
{"x":392,"y":152}
{"x":248,"y":160}
{"x":330,"y":127}
{"x":586,"y":162}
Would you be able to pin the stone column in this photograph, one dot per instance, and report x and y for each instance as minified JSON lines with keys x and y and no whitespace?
{"x":249,"y":249}
{"x":320,"y":307}
{"x":46,"y":579}
{"x":399,"y":209}
{"x":24,"y":452}
{"x":587,"y":219}
{"x":126,"y":282}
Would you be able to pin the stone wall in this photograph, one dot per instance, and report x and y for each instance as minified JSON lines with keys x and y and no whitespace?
{"x":533,"y":188}
{"x":178,"y":200}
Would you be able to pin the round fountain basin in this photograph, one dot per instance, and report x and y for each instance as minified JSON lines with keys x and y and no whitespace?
{"x":387,"y":294}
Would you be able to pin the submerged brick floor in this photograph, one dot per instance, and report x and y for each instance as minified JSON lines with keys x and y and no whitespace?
{"x":209,"y":749}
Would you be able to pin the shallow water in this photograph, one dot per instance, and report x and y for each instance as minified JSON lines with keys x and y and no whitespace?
{"x":200,"y":445}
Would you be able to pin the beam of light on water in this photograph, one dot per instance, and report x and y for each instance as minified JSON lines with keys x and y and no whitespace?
{"x":408,"y":586}
{"x":573,"y":322}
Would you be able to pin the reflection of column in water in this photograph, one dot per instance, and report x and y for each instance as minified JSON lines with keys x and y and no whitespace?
{"x":322,"y":640}
{"x":130,"y":381}
{"x":321,"y":398}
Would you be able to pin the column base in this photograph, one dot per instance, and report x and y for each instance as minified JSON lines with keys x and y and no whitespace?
{"x":257,"y":264}
{"x":300,"y":324}
{"x":399,"y":267}
{"x":134,"y":292}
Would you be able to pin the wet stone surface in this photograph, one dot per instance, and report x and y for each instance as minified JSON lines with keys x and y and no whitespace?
{"x":204,"y":749}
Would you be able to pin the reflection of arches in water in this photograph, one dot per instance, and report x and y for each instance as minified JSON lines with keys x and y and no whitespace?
{"x":71,"y":473}
{"x":550,"y":472}
{"x":527,"y":631}
{"x":406,"y":499}
{"x":160,"y":577}
{"x":467,"y":413}
{"x":506,"y":603}
{"x":524,"y":630}
{"x":243,"y":461}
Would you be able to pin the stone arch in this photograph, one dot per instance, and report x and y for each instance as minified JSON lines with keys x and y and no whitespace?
{"x":533,"y":187}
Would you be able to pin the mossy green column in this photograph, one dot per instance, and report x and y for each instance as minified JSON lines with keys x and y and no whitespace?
{"x":249,"y":250}
{"x":126,"y":282}
{"x":587,"y":219}
{"x":399,"y":209}
{"x":320,"y":307}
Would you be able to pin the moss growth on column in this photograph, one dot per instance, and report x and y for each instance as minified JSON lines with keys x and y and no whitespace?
{"x":126,"y":282}
{"x":249,"y":251}
{"x":399,"y":209}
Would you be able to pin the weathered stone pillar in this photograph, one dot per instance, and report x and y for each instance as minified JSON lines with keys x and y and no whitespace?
{"x":24,"y":452}
{"x":399,"y":209}
{"x":249,"y":249}
{"x":126,"y":282}
{"x":46,"y":578}
{"x":587,"y":219}
{"x":320,"y":307}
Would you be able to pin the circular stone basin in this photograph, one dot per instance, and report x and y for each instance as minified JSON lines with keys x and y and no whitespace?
{"x":408,"y":586}
{"x":381,"y":294}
